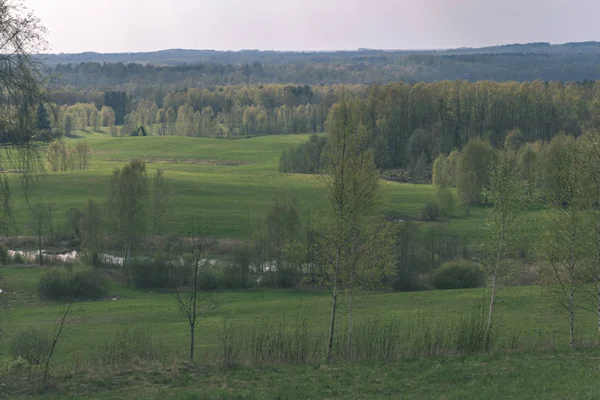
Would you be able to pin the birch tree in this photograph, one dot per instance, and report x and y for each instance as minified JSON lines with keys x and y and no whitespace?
{"x":352,"y":183}
{"x":507,"y":195}
{"x":565,"y":244}
{"x":127,"y":205}
{"x":591,"y":155}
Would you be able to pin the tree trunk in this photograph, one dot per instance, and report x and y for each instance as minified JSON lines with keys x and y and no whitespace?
{"x":495,"y":278}
{"x":598,"y":302}
{"x":192,"y":335}
{"x":332,"y":327}
{"x":492,"y":302}
{"x":349,"y":350}
{"x":40,"y":239}
{"x":571,"y":318}
{"x":194,"y":308}
{"x":572,"y":294}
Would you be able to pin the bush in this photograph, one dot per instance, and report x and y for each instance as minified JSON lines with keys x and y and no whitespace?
{"x":208,"y":277}
{"x":18,"y":259}
{"x":156,"y":273}
{"x":430,"y":212}
{"x":80,"y":283}
{"x":4,"y":258}
{"x":458,"y":274}
{"x":31,"y":345}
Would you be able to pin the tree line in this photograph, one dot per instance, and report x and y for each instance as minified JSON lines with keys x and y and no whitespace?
{"x":362,"y":67}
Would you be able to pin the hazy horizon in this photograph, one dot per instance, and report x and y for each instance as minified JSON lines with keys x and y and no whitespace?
{"x":129,"y":26}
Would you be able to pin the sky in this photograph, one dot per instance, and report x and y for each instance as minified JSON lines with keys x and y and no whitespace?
{"x":146,"y":25}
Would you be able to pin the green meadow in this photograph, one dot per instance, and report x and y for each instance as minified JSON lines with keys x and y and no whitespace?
{"x":231,"y":183}
{"x":532,"y":328}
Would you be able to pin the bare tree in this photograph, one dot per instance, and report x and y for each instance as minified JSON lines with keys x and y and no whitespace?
{"x":40,"y":223}
{"x":192,"y":303}
{"x":58,"y":331}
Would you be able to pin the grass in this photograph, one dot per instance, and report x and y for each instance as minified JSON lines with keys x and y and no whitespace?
{"x":527,"y":373}
{"x":231,"y":198}
{"x":524,"y":376}
{"x":526,"y":312}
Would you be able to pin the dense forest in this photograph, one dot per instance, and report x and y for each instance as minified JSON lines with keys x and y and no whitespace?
{"x":408,"y":124}
{"x":363,"y":70}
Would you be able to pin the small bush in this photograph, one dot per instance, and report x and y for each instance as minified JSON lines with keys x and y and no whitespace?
{"x":80,"y":283}
{"x":431,"y":212}
{"x":18,"y":259}
{"x":209,"y":277}
{"x":458,"y":274}
{"x":4,"y":258}
{"x":31,"y":345}
{"x":156,"y":273}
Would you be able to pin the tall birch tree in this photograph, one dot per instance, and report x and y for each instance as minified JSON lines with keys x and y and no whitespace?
{"x":565,"y":244}
{"x":352,"y":182}
{"x":506,"y":194}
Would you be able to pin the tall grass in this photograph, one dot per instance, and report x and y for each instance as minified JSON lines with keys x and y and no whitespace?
{"x":129,"y":345}
{"x":375,"y":338}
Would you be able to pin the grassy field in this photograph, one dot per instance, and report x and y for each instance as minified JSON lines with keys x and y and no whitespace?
{"x":524,"y":376}
{"x":539,"y":364}
{"x":232,"y":183}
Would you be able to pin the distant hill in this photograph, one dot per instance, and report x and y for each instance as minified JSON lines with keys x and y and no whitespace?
{"x":175,"y":57}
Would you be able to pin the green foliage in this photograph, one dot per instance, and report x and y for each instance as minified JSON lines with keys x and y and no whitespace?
{"x":91,"y":229}
{"x":160,"y":204}
{"x":154,"y":273}
{"x":472,"y":170}
{"x":420,"y":172}
{"x":306,"y":158}
{"x":127,"y":205}
{"x":458,"y":274}
{"x":74,"y":283}
{"x":446,"y":201}
{"x":283,"y":227}
{"x":507,"y":196}
{"x":430,"y":212}
{"x":30,"y":345}
{"x":4,"y":257}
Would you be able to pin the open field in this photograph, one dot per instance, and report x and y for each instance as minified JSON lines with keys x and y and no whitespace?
{"x":525,"y":313}
{"x":232,"y":183}
{"x":539,"y":364}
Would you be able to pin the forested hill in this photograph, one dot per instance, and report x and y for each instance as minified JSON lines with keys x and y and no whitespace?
{"x":198,"y":68}
{"x":180,"y":56}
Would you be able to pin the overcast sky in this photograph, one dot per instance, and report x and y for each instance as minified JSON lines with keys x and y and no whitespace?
{"x":146,"y":25}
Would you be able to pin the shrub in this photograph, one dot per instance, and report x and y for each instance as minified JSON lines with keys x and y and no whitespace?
{"x":4,"y":258}
{"x":156,"y":273}
{"x":430,"y":212}
{"x":31,"y":345}
{"x":458,"y":274}
{"x":209,"y":277}
{"x":79,"y":283}
{"x":18,"y":259}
